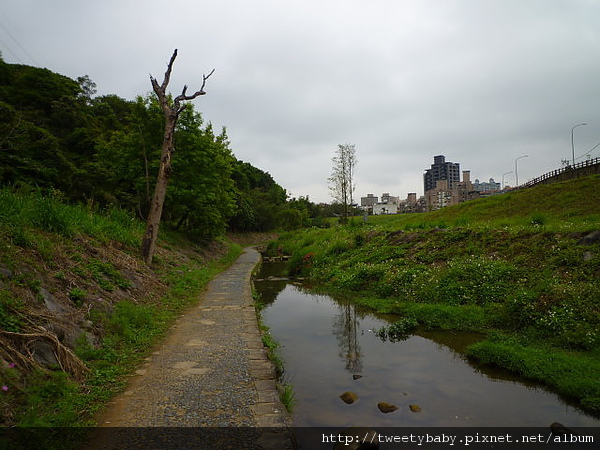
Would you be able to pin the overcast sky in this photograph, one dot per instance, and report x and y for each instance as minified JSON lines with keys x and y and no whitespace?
{"x":481,"y":82}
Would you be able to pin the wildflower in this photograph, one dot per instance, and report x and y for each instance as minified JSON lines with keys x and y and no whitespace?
{"x":5,"y":388}
{"x":11,"y":365}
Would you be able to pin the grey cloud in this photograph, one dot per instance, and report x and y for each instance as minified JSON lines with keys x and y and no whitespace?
{"x":481,"y":82}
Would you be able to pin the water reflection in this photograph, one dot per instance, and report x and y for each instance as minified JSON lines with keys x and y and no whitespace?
{"x":328,"y":348}
{"x":345,"y":329}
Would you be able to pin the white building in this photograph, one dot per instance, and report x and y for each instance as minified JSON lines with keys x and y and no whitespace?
{"x":385,"y":208}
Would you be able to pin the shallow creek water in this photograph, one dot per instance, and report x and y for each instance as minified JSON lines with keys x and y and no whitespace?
{"x":329,"y":347}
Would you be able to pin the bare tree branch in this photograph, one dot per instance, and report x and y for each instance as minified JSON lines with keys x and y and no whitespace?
{"x":167,"y":78}
{"x":184,"y":96}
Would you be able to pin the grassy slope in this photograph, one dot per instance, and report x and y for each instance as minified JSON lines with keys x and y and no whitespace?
{"x":71,"y":280}
{"x":576,"y":201}
{"x":511,"y":265}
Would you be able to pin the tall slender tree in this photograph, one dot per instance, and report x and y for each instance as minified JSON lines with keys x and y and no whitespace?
{"x":341,"y":181}
{"x":171,"y":109}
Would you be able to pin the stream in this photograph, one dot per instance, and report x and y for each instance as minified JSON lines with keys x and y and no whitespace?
{"x":329,"y":347}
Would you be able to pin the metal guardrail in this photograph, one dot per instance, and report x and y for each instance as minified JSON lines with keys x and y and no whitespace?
{"x":554,"y":173}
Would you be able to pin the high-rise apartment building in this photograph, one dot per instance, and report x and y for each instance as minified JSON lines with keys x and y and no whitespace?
{"x":441,"y":170}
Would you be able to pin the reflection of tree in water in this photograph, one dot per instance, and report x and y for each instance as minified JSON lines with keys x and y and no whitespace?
{"x":345,"y":329}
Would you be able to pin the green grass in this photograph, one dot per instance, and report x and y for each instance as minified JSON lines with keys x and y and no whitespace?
{"x":53,"y":400}
{"x":574,"y":203}
{"x":573,"y":375}
{"x":510,"y":263}
{"x":39,"y":233}
{"x":287,"y":396}
{"x":21,"y":212}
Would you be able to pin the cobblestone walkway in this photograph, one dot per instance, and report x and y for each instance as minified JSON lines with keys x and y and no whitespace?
{"x":210,"y":375}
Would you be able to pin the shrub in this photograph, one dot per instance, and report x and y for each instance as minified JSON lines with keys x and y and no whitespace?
{"x":398,"y":331}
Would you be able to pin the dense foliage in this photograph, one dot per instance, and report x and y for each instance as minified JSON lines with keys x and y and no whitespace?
{"x":104,"y":151}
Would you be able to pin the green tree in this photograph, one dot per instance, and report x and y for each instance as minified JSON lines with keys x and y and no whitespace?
{"x":258,"y":197}
{"x":201,"y":194}
{"x":106,"y":150}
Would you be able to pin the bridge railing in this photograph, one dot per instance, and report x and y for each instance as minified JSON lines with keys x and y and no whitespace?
{"x":554,"y":173}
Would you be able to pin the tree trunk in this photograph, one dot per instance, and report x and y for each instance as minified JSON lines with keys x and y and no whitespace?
{"x":171,"y":109}
{"x":160,"y":191}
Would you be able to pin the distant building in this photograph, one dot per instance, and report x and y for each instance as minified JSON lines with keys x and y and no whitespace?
{"x":368,"y":201}
{"x":441,"y":170}
{"x":387,"y":205}
{"x":385,"y":208}
{"x":387,"y":198}
{"x":464,"y":189}
{"x":486,"y":187}
{"x":413,"y":204}
{"x":438,"y":197}
{"x":444,"y":194}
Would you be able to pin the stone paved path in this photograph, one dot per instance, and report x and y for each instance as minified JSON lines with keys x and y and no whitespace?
{"x":210,"y":375}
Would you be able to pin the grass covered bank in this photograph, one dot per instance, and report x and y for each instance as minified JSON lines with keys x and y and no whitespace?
{"x":79,"y":309}
{"x":522,"y":267}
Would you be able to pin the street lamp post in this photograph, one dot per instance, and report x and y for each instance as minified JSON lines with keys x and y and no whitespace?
{"x":516,"y":171}
{"x":573,"y":140}
{"x":506,"y":173}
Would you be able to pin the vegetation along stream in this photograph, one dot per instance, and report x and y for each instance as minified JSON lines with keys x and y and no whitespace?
{"x":330,"y":346}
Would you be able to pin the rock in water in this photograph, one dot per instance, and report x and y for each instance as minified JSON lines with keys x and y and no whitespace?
{"x":415,"y":408}
{"x":386,"y":407}
{"x":558,"y":429}
{"x":349,"y":397}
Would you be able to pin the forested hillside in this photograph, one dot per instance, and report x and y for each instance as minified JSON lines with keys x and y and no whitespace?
{"x":102,"y":151}
{"x":78,"y":308}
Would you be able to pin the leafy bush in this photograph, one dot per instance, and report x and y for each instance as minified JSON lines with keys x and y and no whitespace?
{"x":398,"y":331}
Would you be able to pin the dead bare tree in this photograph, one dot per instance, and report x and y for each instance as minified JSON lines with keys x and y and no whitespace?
{"x":171,"y":109}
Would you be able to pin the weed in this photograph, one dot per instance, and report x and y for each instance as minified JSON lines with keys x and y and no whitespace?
{"x":106,"y":275}
{"x":24,"y":210}
{"x":77,"y":296}
{"x":272,"y":345}
{"x":10,"y":320}
{"x":538,"y":219}
{"x":136,"y":324}
{"x":48,"y":400}
{"x":287,"y":396}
